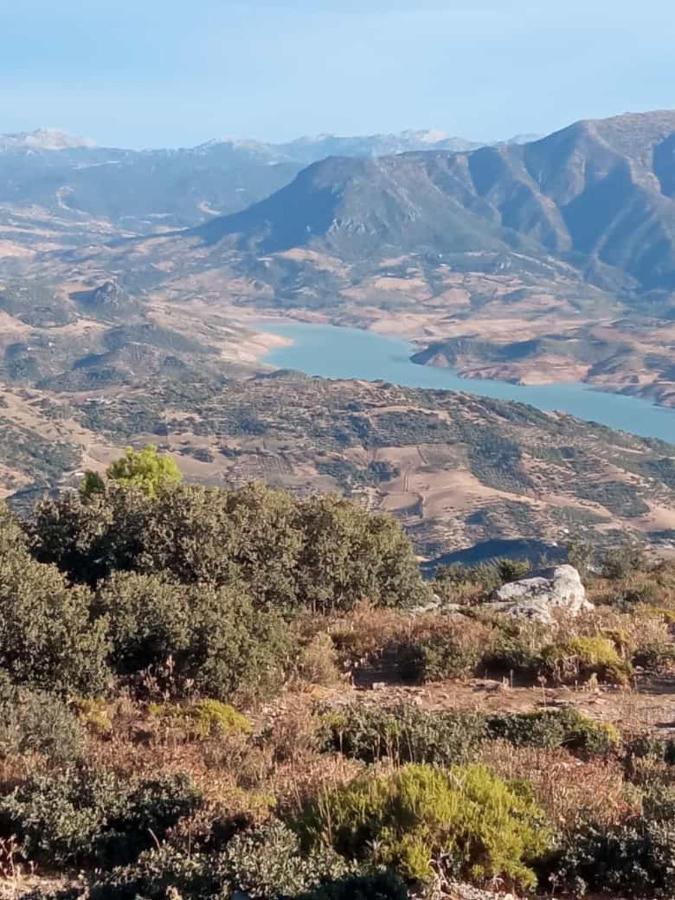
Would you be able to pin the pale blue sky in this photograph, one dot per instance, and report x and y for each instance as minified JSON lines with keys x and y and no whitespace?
{"x":175,"y":73}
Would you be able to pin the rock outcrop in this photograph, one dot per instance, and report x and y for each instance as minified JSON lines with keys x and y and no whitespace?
{"x":537,"y":597}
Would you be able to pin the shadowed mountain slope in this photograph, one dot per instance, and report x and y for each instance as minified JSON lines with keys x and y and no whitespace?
{"x":598,"y":194}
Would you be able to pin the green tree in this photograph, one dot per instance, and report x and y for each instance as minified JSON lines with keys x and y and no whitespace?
{"x":350,"y":554}
{"x":148,"y":470}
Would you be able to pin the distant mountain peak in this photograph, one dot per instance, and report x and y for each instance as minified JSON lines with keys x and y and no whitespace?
{"x":43,"y":139}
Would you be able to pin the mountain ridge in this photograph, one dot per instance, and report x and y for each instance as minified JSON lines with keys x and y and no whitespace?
{"x":598,"y":190}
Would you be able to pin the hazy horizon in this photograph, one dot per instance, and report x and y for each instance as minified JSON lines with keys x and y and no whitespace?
{"x":162,"y":75}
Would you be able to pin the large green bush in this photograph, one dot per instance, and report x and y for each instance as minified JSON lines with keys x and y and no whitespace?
{"x":212,"y":638}
{"x":350,"y":554}
{"x":404,"y":734}
{"x":47,"y":637}
{"x":465,"y":820}
{"x":85,"y":816}
{"x":37,"y":722}
{"x":325,"y":552}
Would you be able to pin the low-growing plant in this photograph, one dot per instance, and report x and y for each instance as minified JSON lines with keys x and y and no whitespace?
{"x":84,"y":816}
{"x":161,"y":872}
{"x":556,"y":728}
{"x":269,"y":862}
{"x":417,"y":819}
{"x":37,"y":722}
{"x":201,"y":719}
{"x":633,"y":859}
{"x":577,"y":659}
{"x":404,"y":734}
{"x":318,"y":662}
{"x":381,"y":886}
{"x":94,"y":715}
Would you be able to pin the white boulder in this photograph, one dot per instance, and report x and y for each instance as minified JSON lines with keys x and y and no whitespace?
{"x":537,"y":597}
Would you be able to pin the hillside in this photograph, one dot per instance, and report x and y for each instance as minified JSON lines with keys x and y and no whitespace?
{"x":456,"y":470}
{"x":600,"y":193}
{"x":567,"y":242}
{"x":206,"y":693}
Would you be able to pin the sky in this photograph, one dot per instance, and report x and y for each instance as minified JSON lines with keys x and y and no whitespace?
{"x":150,"y":73}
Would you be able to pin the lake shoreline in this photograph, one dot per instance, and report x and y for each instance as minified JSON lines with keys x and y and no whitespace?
{"x":421,"y":336}
{"x":312,"y":350}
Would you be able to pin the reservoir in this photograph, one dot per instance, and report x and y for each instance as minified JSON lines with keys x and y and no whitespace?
{"x":334,"y":352}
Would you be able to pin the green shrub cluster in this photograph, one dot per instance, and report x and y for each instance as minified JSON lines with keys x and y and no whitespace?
{"x":214,"y":641}
{"x":404,"y":734}
{"x":418,"y":819}
{"x":82,"y":816}
{"x":265,"y":863}
{"x":47,"y":636}
{"x":548,"y":729}
{"x":201,"y":719}
{"x":37,"y":722}
{"x":576,"y":659}
{"x":632,"y":859}
{"x":324,"y":553}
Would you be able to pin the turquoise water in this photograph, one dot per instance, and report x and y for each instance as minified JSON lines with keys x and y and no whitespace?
{"x":335,"y":352}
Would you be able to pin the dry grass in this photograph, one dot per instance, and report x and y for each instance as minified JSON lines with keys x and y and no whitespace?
{"x":567,"y":788}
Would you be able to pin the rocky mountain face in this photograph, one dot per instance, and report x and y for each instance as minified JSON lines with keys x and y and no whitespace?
{"x":599,"y":195}
{"x":150,"y":189}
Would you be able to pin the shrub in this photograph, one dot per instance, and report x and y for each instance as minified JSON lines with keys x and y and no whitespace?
{"x":381,"y":886}
{"x":268,"y":863}
{"x":201,"y":719}
{"x":82,"y":815}
{"x":318,"y":661}
{"x":620,"y":562}
{"x":158,"y":873}
{"x":512,"y":569}
{"x":516,"y":649}
{"x":93,"y":713}
{"x":12,"y":538}
{"x":434,"y":649}
{"x":417,"y":817}
{"x":404,"y":734}
{"x":214,"y":639}
{"x":325,"y":553}
{"x":578,"y":658}
{"x":636,"y":858}
{"x":555,"y":728}
{"x":350,"y":554}
{"x":448,"y":655}
{"x":36,"y":722}
{"x":47,"y":637}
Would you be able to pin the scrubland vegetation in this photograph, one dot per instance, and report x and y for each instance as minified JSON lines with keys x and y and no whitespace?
{"x":180,"y":712}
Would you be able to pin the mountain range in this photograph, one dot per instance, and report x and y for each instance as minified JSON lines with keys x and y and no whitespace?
{"x":548,"y":260}
{"x":145,"y":189}
{"x":599,"y":194}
